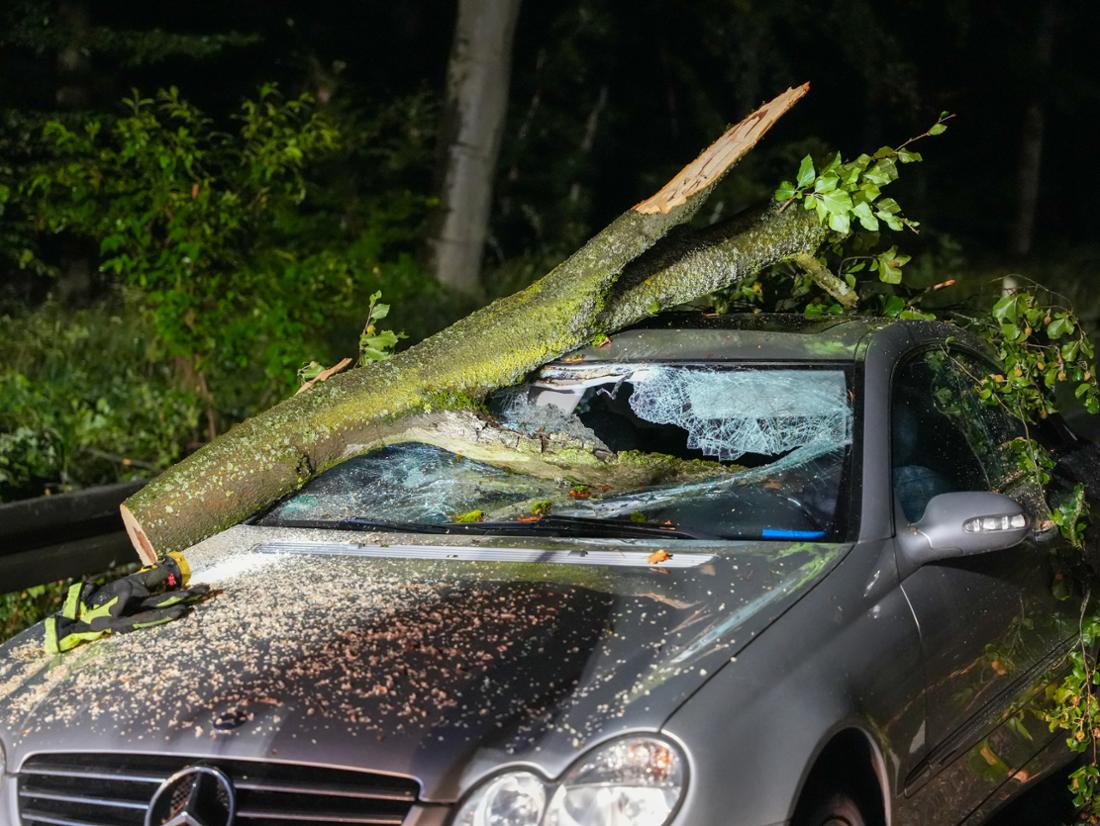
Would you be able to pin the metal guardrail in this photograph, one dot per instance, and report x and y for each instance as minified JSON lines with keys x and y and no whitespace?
{"x":67,"y":535}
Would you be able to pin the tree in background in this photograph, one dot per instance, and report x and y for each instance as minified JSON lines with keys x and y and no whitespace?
{"x":476,"y":104}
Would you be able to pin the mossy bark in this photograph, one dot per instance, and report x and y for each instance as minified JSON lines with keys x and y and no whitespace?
{"x":277,"y":451}
{"x":555,"y":456}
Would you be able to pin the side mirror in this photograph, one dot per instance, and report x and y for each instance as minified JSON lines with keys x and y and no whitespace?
{"x":963,"y":524}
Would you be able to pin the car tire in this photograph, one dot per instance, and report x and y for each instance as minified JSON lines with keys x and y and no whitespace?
{"x":836,"y":809}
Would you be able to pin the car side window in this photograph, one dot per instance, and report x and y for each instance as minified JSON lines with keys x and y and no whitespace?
{"x":996,"y":436}
{"x":945,"y":438}
{"x":931,"y":453}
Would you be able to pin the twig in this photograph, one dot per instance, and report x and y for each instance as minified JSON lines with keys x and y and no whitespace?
{"x":125,"y":461}
{"x":325,"y":374}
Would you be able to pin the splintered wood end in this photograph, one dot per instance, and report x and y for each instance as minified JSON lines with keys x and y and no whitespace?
{"x":712,"y":163}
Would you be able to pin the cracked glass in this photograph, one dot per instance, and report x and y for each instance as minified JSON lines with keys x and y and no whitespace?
{"x":696,"y":451}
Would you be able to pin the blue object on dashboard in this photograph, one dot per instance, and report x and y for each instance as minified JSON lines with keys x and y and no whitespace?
{"x":780,"y":533}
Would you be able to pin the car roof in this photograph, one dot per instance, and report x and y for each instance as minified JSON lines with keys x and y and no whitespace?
{"x":762,"y":336}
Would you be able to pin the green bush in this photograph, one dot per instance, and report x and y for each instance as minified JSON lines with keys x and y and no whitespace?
{"x":22,"y":609}
{"x":248,"y":248}
{"x":87,"y":398}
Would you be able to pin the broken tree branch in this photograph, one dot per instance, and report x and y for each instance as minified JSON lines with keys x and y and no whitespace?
{"x":822,"y":276}
{"x":274,"y":453}
{"x":324,"y":375}
{"x":554,"y":457}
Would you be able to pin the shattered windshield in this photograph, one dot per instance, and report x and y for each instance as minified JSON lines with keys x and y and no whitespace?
{"x":694,"y":451}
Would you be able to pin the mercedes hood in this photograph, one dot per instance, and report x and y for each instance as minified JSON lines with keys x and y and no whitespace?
{"x":436,"y":657}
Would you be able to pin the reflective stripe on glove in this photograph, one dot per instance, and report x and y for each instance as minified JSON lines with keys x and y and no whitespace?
{"x":152,"y":596}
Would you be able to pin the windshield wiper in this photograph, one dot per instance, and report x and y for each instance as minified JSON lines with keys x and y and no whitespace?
{"x":552,"y":525}
{"x":593,"y":526}
{"x":355,"y":523}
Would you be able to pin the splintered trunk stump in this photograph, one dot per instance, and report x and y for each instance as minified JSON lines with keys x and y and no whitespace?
{"x":592,"y":292}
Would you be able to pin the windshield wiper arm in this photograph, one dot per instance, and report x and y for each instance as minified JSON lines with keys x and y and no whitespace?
{"x":355,"y":523}
{"x":589,"y":525}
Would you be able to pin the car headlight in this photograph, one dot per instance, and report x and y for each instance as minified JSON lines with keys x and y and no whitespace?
{"x":636,"y":781}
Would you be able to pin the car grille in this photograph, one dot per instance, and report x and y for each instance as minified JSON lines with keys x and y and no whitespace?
{"x":115,"y":790}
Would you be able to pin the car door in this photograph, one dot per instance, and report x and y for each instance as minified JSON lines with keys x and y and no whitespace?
{"x":993,"y":627}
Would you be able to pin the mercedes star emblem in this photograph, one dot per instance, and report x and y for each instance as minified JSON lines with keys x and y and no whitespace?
{"x":194,"y":796}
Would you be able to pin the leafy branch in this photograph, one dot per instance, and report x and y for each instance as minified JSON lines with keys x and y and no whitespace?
{"x":843,"y":193}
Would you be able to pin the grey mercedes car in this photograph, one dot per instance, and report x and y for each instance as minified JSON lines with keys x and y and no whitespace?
{"x":832,"y":600}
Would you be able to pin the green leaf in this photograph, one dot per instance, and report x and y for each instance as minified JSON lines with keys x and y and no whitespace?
{"x":883,"y":172}
{"x":469,"y":516}
{"x":1059,"y":327}
{"x":889,"y":274}
{"x":826,"y":183}
{"x":837,"y":201}
{"x":378,"y":346}
{"x":889,"y":265}
{"x":892,"y":221}
{"x":849,"y":174}
{"x":111,"y":243}
{"x":916,"y":315}
{"x":937,"y":129}
{"x":894,"y":305}
{"x":785,"y":191}
{"x":867,"y":220}
{"x":806,"y":172}
{"x":839,"y":222}
{"x":1005,"y":308}
{"x":310,"y":371}
{"x":814,"y":311}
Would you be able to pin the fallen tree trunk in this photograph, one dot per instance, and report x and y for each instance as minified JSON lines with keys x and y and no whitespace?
{"x":552,"y":456}
{"x":276,"y":452}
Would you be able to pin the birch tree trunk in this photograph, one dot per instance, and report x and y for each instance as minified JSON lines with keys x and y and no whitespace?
{"x":591,"y":292}
{"x":473,"y":122}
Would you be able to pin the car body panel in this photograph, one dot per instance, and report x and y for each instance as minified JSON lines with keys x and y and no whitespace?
{"x":791,"y":698}
{"x":433,"y":669}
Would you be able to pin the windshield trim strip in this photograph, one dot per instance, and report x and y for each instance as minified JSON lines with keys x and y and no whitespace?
{"x":466,"y":553}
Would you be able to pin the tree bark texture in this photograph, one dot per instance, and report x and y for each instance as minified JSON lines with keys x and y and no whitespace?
{"x":593,"y":291}
{"x":473,"y":122}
